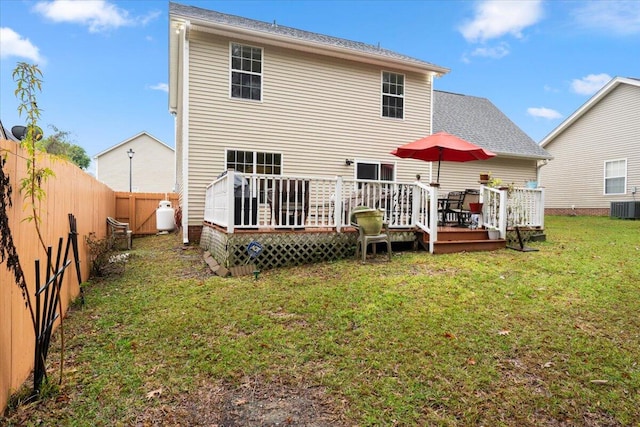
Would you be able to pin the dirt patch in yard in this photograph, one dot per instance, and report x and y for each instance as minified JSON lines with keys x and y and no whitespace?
{"x":254,"y":403}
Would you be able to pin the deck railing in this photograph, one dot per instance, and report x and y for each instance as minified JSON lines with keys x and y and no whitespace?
{"x":243,"y":201}
{"x":507,"y":208}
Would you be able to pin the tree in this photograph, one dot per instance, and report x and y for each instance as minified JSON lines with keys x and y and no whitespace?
{"x":59,"y":144}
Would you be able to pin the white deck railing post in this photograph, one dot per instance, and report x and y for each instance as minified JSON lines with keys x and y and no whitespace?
{"x":230,"y":200}
{"x":502,"y":216}
{"x":338,"y":203}
{"x":433,"y":217}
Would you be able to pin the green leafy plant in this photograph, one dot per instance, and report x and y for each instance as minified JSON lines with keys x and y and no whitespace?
{"x":28,"y":78}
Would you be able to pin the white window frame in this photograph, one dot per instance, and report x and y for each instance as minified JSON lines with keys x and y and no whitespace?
{"x":254,"y":165}
{"x":233,"y":70}
{"x":402,"y":96}
{"x":605,"y":177}
{"x":379,"y":167}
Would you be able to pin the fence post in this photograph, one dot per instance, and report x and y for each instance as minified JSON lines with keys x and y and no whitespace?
{"x":132,"y":213}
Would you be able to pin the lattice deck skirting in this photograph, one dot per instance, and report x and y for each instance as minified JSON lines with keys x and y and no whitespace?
{"x":286,"y":248}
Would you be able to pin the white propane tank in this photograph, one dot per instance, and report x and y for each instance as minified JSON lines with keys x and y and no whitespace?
{"x":165,"y":216}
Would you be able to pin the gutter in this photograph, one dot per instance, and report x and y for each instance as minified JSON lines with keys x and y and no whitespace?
{"x":257,"y":36}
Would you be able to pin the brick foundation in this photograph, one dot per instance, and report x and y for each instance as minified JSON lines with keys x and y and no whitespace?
{"x":577,"y":211}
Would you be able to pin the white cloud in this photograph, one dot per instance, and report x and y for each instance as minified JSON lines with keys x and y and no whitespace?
{"x":496,"y":52}
{"x":97,"y":15}
{"x":13,"y":44}
{"x":621,"y":17}
{"x":495,"y":18}
{"x":160,"y":86}
{"x":544,"y":113}
{"x":590,"y":84}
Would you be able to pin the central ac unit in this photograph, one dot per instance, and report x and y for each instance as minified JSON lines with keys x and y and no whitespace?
{"x":625,"y":210}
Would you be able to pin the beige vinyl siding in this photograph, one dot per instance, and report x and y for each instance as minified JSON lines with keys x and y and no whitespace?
{"x":459,"y":176}
{"x":608,"y":131}
{"x":317,"y":111}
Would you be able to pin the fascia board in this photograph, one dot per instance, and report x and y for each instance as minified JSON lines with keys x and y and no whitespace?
{"x":311,"y":47}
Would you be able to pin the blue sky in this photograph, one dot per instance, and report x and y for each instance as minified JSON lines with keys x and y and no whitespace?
{"x":105,"y":62}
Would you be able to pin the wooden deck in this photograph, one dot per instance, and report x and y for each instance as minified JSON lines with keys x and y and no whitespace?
{"x":460,"y":239}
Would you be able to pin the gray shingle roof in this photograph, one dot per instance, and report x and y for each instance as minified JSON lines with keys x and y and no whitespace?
{"x":293,"y":33}
{"x":479,"y":121}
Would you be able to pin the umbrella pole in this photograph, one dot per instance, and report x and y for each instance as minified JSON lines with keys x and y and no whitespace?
{"x":439,"y":159}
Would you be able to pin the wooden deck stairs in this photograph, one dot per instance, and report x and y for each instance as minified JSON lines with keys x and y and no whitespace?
{"x":458,"y":239}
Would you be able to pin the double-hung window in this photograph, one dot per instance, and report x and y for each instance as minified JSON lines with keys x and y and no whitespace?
{"x":615,"y":176}
{"x":246,"y":72}
{"x":392,"y":95}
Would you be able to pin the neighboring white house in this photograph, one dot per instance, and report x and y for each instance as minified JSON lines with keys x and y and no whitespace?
{"x":151,"y":169}
{"x":596,"y":153}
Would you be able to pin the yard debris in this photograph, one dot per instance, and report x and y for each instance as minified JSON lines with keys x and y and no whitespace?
{"x":504,"y":332}
{"x":222,"y":272}
{"x":599,"y":381}
{"x":211,"y":262}
{"x":154,"y":393}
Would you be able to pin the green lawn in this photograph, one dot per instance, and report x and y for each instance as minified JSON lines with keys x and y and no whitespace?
{"x":496,"y":338}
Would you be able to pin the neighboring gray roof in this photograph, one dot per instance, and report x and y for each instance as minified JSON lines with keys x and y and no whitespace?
{"x":213,"y":17}
{"x":478,"y":121}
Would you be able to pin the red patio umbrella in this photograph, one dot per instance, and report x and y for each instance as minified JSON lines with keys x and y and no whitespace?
{"x":442,"y":146}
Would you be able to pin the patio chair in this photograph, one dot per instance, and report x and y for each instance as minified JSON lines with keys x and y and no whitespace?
{"x":463,"y":214}
{"x":364,"y":240}
{"x":450,"y":207}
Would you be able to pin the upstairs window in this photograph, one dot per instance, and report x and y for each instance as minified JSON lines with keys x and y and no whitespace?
{"x":615,"y":176}
{"x":392,"y":95}
{"x":246,"y":72}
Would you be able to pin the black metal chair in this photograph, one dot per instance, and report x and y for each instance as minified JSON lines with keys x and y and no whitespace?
{"x":450,"y":206}
{"x":463,"y":214}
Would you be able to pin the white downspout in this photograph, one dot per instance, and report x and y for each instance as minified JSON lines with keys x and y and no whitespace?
{"x":185,"y":132}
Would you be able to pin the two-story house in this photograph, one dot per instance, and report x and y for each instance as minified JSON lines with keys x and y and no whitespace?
{"x":265,"y":98}
{"x":281,"y":130}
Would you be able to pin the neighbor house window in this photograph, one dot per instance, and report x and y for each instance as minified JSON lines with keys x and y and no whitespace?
{"x":615,"y":176}
{"x":246,"y":72}
{"x":392,"y":95}
{"x":257,"y":162}
{"x":375,"y":171}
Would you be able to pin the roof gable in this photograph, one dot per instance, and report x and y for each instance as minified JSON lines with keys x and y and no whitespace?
{"x":212,"y":21}
{"x":131,"y":139}
{"x":594,"y":100}
{"x":479,"y":121}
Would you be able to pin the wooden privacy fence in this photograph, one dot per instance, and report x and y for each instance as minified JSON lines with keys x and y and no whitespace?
{"x":71,"y":190}
{"x":139,"y":210}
